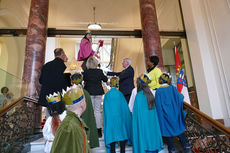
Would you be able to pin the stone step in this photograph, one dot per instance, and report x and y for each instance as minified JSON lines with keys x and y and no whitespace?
{"x":101,"y":142}
{"x":37,"y":146}
{"x":128,"y":149}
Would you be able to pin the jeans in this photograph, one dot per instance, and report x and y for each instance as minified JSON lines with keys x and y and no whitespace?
{"x":96,"y":102}
{"x":184,"y":142}
{"x":83,"y":66}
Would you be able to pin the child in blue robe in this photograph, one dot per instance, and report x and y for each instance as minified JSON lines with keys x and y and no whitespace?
{"x":116,"y":119}
{"x":169,"y":104}
{"x":145,"y":125}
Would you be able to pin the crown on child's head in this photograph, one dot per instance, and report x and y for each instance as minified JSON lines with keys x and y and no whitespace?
{"x":54,"y":98}
{"x":165,"y":77}
{"x":87,"y":32}
{"x":76,"y":78}
{"x":73,"y":94}
{"x":144,"y":78}
{"x":114,"y":81}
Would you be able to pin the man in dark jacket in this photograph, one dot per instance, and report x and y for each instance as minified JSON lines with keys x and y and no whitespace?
{"x":125,"y":78}
{"x":52,"y":76}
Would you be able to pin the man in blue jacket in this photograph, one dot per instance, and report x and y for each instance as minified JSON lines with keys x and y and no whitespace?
{"x":125,"y":78}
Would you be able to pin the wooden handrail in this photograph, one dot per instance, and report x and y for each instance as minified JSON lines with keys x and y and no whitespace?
{"x":210,"y":120}
{"x":15,"y":102}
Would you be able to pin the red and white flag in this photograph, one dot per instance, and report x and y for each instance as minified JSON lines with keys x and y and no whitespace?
{"x":181,"y":82}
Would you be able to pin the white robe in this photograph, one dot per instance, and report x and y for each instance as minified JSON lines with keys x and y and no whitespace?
{"x":47,"y":132}
{"x":132,"y":98}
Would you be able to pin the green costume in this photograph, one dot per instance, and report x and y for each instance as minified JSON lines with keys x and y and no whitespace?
{"x":89,"y":119}
{"x":71,"y":136}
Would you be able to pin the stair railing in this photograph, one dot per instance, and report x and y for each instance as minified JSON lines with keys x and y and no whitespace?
{"x":17,"y":124}
{"x":205,"y":134}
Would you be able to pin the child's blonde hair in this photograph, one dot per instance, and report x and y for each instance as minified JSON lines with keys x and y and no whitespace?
{"x":91,"y":63}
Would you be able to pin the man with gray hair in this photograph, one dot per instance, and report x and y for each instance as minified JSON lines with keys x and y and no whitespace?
{"x":52,"y":76}
{"x":126,"y":84}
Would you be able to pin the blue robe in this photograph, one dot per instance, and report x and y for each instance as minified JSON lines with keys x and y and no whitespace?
{"x":117,"y":119}
{"x":169,"y":104}
{"x":146,"y":128}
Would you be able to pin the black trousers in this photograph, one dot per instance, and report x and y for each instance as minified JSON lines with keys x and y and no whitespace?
{"x":127,"y":97}
{"x":183,"y":140}
{"x":83,"y":66}
{"x":122,"y":147}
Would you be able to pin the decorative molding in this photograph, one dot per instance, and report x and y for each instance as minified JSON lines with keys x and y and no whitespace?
{"x":52,"y":32}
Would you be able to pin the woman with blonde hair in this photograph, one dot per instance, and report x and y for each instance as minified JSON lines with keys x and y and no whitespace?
{"x":93,"y":78}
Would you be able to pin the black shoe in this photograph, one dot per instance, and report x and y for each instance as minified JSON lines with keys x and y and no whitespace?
{"x":99,"y":133}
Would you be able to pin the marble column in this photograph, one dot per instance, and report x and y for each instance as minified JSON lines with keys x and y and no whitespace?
{"x":150,"y":31}
{"x":35,"y":46}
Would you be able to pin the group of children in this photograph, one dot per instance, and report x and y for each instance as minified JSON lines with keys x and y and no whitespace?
{"x":154,"y":113}
{"x":150,"y":115}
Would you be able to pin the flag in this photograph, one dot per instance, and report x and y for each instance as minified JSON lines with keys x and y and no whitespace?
{"x":181,"y":82}
{"x":178,"y":63}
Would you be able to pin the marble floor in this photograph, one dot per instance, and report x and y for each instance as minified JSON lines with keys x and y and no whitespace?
{"x":38,"y":147}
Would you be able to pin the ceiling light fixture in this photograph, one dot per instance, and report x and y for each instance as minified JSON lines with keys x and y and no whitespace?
{"x":94,"y":25}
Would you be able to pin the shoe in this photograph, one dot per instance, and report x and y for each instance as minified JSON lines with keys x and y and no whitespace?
{"x":188,"y":150}
{"x":99,"y":133}
{"x":174,"y":150}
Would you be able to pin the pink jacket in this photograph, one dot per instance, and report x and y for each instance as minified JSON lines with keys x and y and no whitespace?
{"x":85,"y":50}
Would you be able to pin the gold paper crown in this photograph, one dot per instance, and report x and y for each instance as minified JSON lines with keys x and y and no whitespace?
{"x":87,"y":31}
{"x":76,"y":78}
{"x":73,"y":95}
{"x":78,"y":81}
{"x":144,"y":78}
{"x":164,"y":77}
{"x":114,"y":81}
{"x":55,"y":98}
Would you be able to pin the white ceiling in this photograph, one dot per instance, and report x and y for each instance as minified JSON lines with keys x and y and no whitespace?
{"x":76,"y":14}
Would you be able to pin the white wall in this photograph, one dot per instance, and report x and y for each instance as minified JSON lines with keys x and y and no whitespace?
{"x":207,"y":25}
{"x":3,"y":55}
{"x":50,"y":46}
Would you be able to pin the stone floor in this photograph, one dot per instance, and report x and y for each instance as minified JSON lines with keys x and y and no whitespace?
{"x":38,"y":147}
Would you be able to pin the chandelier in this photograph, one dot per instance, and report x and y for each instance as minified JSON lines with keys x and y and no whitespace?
{"x":94,"y":25}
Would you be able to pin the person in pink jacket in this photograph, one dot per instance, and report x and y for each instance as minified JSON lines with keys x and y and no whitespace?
{"x":85,"y":50}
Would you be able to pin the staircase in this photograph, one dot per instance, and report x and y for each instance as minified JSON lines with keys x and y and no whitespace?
{"x":18,"y":123}
{"x":38,"y":147}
